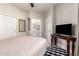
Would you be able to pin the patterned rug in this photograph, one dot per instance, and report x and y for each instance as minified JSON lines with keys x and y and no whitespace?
{"x":55,"y":51}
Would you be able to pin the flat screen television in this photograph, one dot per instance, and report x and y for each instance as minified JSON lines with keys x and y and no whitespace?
{"x":65,"y":29}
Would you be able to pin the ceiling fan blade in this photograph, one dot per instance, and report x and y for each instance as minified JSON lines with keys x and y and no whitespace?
{"x":31,"y":4}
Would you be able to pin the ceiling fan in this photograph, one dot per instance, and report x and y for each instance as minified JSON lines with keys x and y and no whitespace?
{"x":32,"y":4}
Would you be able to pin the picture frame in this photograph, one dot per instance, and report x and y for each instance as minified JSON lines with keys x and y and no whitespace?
{"x":22,"y":25}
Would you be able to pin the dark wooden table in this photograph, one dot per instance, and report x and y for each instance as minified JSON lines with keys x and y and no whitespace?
{"x":68,"y":39}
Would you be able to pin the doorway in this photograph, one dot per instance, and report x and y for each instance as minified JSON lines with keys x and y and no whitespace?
{"x":35,"y":27}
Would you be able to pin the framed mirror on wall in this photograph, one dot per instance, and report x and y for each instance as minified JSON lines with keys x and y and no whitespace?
{"x":22,"y":25}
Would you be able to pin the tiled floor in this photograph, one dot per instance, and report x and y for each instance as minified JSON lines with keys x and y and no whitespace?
{"x":55,"y":51}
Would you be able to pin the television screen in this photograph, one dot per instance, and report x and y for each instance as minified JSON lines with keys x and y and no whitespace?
{"x":64,"y":29}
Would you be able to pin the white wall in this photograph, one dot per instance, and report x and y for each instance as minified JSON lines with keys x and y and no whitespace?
{"x":67,"y":13}
{"x":49,"y":23}
{"x":12,"y":11}
{"x":78,"y":32}
{"x":7,"y":26}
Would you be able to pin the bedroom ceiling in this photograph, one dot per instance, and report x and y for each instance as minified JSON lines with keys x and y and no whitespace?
{"x":39,"y":7}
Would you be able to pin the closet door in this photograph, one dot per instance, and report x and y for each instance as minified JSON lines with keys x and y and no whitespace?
{"x":7,"y":26}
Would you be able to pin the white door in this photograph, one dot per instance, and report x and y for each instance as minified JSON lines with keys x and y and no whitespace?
{"x":35,"y":27}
